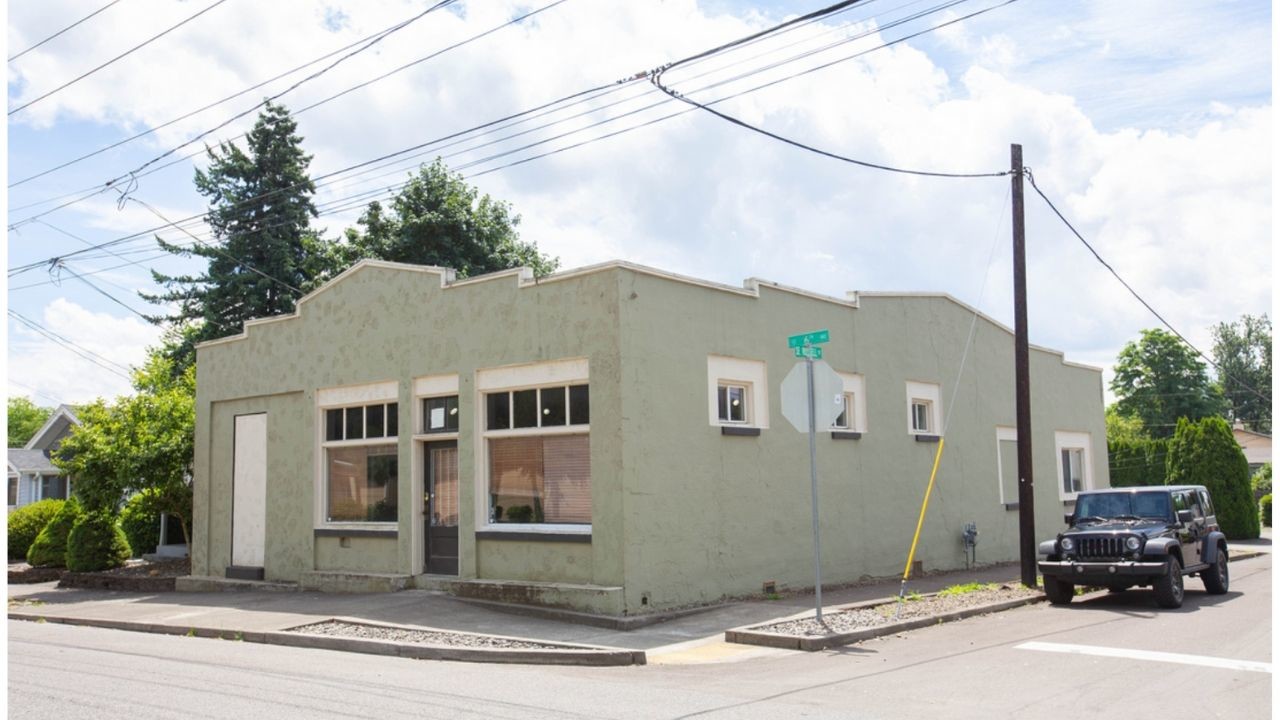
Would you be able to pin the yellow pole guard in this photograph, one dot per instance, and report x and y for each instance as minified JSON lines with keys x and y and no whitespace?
{"x":906,"y":573}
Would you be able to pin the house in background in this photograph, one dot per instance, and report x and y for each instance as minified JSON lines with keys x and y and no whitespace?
{"x":610,"y":438}
{"x":1256,"y":446}
{"x":32,"y":474}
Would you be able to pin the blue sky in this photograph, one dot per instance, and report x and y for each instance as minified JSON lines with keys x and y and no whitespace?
{"x":1148,"y":122}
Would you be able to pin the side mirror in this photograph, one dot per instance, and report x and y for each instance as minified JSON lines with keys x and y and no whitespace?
{"x":1185,"y":517}
{"x":1067,"y":518}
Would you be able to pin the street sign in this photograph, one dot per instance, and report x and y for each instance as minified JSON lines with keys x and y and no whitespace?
{"x":828,"y":396}
{"x":814,"y":338}
{"x":812,"y":351}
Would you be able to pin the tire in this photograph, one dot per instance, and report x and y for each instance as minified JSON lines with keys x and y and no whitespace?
{"x":1059,"y":592}
{"x":1217,"y":579}
{"x":1168,"y":587}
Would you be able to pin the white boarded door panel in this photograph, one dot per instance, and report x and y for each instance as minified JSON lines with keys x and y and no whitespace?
{"x":249,"y":492}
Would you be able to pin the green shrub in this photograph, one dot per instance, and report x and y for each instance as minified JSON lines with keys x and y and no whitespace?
{"x":50,"y":547}
{"x":96,"y":543}
{"x":1265,"y":506}
{"x":26,"y":522}
{"x":141,"y":523}
{"x":1261,"y":481}
{"x":1204,"y":452}
{"x":1137,"y":462}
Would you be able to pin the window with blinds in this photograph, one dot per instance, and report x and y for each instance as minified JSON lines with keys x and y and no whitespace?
{"x":540,"y":479}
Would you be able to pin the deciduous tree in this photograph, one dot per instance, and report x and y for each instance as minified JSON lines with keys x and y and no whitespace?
{"x":25,"y":418}
{"x":1242,"y":352}
{"x":1158,"y":380}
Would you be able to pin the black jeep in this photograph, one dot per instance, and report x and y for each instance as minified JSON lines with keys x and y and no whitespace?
{"x":1130,"y":537}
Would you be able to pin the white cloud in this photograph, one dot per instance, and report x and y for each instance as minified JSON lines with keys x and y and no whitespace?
{"x":48,"y":368}
{"x":1144,"y":133}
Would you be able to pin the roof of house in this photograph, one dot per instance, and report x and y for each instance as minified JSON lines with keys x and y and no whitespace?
{"x":25,"y":461}
{"x":58,"y":424}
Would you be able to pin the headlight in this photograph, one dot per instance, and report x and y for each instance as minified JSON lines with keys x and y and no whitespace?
{"x":1132,"y":544}
{"x":1068,"y":544}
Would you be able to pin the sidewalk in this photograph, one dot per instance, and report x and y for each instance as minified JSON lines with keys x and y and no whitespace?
{"x":258,"y":611}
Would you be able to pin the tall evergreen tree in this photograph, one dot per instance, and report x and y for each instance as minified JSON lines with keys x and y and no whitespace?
{"x":1242,"y":352}
{"x":1158,"y":380}
{"x":438,"y":219}
{"x":263,"y":253}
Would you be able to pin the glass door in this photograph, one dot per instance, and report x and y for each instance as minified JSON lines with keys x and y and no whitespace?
{"x":441,"y":507}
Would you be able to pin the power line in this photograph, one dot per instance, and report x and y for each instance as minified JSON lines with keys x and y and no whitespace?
{"x":1134,"y":293}
{"x":656,"y":79}
{"x":130,"y":51}
{"x":74,"y":347}
{"x":72,"y":25}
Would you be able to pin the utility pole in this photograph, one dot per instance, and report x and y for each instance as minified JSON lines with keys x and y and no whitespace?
{"x":1022,"y":378}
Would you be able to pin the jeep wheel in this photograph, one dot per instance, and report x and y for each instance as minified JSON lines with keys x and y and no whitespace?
{"x":1168,"y":587}
{"x":1059,"y":592}
{"x":1217,"y":579}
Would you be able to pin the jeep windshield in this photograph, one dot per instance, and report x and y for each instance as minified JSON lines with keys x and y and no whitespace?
{"x":1123,"y":506}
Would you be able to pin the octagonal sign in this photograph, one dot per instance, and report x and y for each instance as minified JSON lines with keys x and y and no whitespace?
{"x":828,"y":396}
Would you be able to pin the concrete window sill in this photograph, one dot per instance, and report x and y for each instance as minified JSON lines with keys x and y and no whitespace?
{"x":742,"y":431}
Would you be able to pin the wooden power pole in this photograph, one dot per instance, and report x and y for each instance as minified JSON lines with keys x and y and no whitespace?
{"x":1022,"y":379}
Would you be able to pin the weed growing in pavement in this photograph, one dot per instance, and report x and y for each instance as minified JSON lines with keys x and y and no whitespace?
{"x":966,"y":588}
{"x":191,"y":632}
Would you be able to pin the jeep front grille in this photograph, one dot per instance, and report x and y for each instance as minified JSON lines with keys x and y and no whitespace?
{"x":1100,"y":547}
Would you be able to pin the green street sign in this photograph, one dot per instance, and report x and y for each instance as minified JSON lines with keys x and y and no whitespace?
{"x":813,"y":338}
{"x":813,"y":351}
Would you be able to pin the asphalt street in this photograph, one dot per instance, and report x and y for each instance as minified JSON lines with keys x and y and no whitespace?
{"x":1105,"y":655}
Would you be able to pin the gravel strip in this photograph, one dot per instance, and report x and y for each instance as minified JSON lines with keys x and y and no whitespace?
{"x":335,"y":628}
{"x":850,"y":620}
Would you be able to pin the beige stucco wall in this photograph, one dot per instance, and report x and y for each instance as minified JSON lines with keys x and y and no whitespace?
{"x":709,"y":515}
{"x":681,"y":513}
{"x":381,"y":323}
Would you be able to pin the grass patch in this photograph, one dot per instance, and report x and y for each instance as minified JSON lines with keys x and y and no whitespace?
{"x":966,"y":588}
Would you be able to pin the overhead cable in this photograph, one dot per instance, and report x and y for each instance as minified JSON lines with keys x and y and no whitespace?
{"x":72,"y":25}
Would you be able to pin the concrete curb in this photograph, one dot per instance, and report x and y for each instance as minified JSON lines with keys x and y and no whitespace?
{"x":747,"y":635}
{"x":569,"y":655}
{"x":608,"y":622}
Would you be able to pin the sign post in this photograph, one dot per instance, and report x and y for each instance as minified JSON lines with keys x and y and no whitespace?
{"x":805,"y":345}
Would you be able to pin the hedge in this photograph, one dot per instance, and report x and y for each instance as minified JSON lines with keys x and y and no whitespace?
{"x":1262,"y":481}
{"x":50,"y":546}
{"x":1204,"y":452}
{"x":140,"y":523}
{"x":26,"y":522}
{"x":96,"y":543}
{"x":1265,"y":505}
{"x":1138,"y":462}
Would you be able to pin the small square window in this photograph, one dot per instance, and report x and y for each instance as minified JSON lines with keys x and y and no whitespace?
{"x":579,"y":405}
{"x":374,"y":420}
{"x":732,"y":400}
{"x":844,"y":420}
{"x":355,"y":423}
{"x":553,"y":407}
{"x":440,"y":414}
{"x":525,"y":403}
{"x":921,"y":411}
{"x":333,"y":424}
{"x":1072,"y":470}
{"x":498,"y":411}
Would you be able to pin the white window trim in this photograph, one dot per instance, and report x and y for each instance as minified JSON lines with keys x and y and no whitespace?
{"x":729,"y":385}
{"x":1004,"y":434}
{"x":855,"y":385}
{"x":530,"y":376}
{"x":343,"y":397}
{"x":1067,"y":440}
{"x":753,"y":374}
{"x":926,"y":392}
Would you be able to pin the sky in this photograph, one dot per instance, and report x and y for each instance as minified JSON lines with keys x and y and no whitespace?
{"x":1148,"y":124}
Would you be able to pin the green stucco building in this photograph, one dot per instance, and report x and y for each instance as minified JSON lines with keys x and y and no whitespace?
{"x":610,"y":439}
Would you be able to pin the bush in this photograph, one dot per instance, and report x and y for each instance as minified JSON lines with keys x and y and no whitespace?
{"x":1265,"y":506}
{"x":26,"y":522}
{"x":50,"y":547}
{"x":1205,"y":453}
{"x":96,"y":543}
{"x":1137,"y":462}
{"x":1262,"y":481}
{"x":141,"y":523}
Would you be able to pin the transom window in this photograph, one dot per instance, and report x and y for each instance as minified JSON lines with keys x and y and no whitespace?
{"x":732,"y":403}
{"x":361,"y":422}
{"x":538,"y":408}
{"x":361,"y":463}
{"x":440,"y":414}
